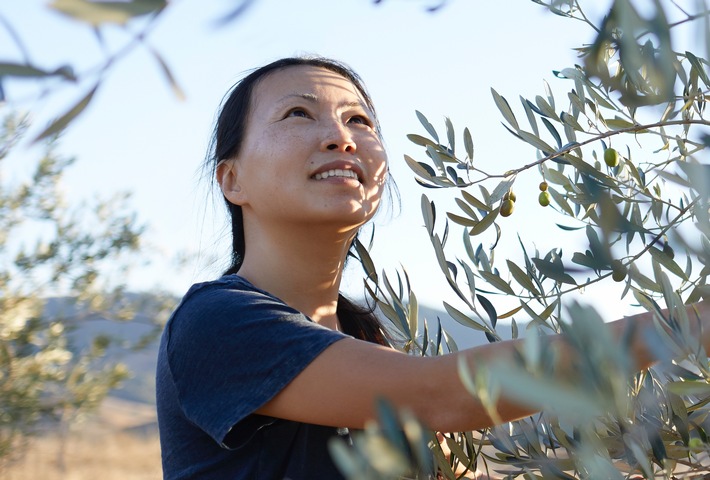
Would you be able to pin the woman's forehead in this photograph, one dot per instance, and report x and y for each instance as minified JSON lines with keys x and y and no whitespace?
{"x":306,"y":82}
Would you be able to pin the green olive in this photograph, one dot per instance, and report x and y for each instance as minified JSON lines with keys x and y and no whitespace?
{"x":696,"y":445}
{"x":544,"y":198}
{"x":618,"y":271}
{"x":543,"y":186}
{"x":506,"y":207}
{"x":611,"y":157}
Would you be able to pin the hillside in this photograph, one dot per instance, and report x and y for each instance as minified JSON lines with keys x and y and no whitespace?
{"x":125,"y":425}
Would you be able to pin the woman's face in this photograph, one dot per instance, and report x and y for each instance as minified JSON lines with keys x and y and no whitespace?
{"x":310,"y":153}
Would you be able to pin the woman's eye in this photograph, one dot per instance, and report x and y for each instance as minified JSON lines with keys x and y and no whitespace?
{"x":298,"y":112}
{"x":360,"y":119}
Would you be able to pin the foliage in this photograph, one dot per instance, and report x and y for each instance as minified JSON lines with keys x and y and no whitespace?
{"x":49,"y":247}
{"x":136,"y":18}
{"x":622,"y":161}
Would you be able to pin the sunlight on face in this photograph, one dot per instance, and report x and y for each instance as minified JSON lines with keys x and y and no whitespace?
{"x":311,"y":151}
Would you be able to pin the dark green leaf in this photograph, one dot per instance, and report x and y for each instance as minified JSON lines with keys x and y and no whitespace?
{"x":489,"y":308}
{"x":553,"y":132}
{"x":554,"y":271}
{"x":586,"y":260}
{"x":661,"y":257}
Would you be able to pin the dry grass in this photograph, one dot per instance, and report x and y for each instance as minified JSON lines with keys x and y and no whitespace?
{"x":90,"y":456}
{"x":99,"y":449}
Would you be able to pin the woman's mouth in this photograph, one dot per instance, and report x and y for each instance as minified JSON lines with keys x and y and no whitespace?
{"x":336,"y":172}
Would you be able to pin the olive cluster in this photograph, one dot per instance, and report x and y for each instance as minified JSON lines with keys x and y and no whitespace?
{"x":508,"y":204}
{"x":544,"y":197}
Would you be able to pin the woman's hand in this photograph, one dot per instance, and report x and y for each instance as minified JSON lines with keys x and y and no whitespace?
{"x":461,"y":471}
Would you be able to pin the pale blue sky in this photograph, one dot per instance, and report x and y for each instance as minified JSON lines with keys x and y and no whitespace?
{"x":136,"y":136}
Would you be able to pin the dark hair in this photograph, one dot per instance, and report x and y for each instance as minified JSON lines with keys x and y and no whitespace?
{"x":226,"y":143}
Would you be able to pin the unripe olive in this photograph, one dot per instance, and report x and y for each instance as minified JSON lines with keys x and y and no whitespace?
{"x":506,"y":207}
{"x":510,"y":195}
{"x":544,"y":198}
{"x":543,"y":186}
{"x":618,"y":271}
{"x":696,"y":445}
{"x":611,"y":157}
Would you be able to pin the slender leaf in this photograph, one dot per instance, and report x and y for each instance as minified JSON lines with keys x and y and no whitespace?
{"x":427,"y":126}
{"x":485,"y":222}
{"x":505,"y":110}
{"x":468,"y":143}
{"x":420,"y":140}
{"x":96,"y":13}
{"x":177,"y":90}
{"x":661,"y":257}
{"x":428,"y":213}
{"x":698,"y":66}
{"x":497,"y":282}
{"x":450,"y":134}
{"x":489,"y":308}
{"x":553,"y":271}
{"x":464,"y":319}
{"x":60,"y":123}
{"x":474,"y":201}
{"x":522,"y":278}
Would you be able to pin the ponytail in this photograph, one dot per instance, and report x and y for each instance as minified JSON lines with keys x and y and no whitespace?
{"x":361,"y":322}
{"x":238,"y":246}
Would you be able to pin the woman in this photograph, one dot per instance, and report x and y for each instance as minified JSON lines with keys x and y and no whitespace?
{"x":258,"y":370}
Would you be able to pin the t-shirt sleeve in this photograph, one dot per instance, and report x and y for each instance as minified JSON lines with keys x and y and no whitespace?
{"x":231,"y":351}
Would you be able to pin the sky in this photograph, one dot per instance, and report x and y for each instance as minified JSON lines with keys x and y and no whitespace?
{"x":137,"y":136}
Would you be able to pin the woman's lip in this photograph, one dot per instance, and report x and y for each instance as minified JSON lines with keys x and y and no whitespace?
{"x":340,"y":165}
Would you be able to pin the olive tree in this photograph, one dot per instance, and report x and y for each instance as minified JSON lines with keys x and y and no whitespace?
{"x":61,"y":266}
{"x":621,"y":159}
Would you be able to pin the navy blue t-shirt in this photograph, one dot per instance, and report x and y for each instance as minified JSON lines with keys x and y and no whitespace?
{"x":227,"y":350}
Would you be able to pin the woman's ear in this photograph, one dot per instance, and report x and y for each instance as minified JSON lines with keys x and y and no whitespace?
{"x":228,"y":178}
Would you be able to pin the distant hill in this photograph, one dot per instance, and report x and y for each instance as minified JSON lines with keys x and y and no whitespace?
{"x":140,"y":387}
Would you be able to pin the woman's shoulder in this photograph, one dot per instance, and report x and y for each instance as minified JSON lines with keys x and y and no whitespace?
{"x":209,"y":304}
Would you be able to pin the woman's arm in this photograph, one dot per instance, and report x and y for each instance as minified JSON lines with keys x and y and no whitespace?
{"x":340,"y":386}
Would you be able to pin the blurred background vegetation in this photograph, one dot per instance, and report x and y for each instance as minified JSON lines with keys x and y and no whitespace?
{"x":621,"y":159}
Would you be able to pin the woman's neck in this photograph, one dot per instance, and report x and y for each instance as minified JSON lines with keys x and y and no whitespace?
{"x":302,"y":268}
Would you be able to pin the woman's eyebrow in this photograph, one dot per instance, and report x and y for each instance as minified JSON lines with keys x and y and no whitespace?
{"x":313,"y":98}
{"x":302,"y":96}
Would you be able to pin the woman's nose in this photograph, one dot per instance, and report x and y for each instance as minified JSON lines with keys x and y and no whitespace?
{"x":338,"y":138}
